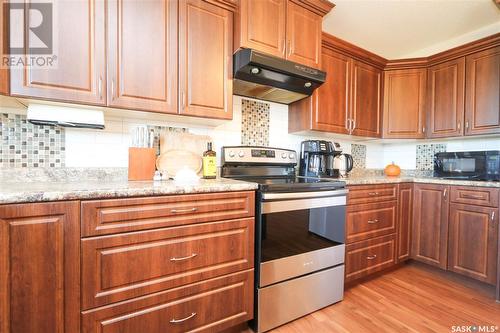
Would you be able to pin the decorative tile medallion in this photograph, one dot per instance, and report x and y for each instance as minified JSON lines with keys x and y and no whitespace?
{"x":425,"y":155}
{"x":25,"y":145}
{"x":254,"y":123}
{"x":358,"y":153}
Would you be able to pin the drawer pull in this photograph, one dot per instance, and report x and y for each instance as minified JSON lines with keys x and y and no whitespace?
{"x":189,"y":210}
{"x":177,"y":321}
{"x":471,"y":196}
{"x":183,"y":258}
{"x":372,"y":221}
{"x":372,"y":193}
{"x":371,"y":257}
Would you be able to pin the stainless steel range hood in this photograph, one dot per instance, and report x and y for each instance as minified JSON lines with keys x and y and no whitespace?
{"x":269,"y":78}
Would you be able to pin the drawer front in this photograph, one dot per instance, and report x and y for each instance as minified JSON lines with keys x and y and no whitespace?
{"x":211,"y":306}
{"x":100,"y":217}
{"x":481,"y":196}
{"x":371,"y":193}
{"x":371,"y":220}
{"x":364,"y":258}
{"x":120,"y":267}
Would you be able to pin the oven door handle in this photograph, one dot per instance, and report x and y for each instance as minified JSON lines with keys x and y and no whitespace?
{"x":303,"y":195}
{"x":268,"y":207}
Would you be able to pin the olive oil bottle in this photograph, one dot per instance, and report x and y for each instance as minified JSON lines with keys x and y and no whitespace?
{"x":209,"y":163}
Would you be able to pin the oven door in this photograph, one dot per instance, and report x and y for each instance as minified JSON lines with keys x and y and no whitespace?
{"x":300,"y":233}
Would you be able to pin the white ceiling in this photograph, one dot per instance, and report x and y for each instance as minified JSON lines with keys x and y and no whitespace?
{"x":411,"y":28}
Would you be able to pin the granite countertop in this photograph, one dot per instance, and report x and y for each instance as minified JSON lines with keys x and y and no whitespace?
{"x":377,"y":179}
{"x":17,"y":192}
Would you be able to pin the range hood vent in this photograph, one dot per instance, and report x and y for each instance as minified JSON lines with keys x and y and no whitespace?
{"x":269,"y":78}
{"x":41,"y":114}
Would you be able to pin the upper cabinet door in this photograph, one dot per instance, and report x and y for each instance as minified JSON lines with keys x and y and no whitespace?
{"x":404,"y":103}
{"x":332,"y":109}
{"x":4,"y":73}
{"x":261,"y":25}
{"x":446,"y":98}
{"x":482,"y":89}
{"x":205,"y":60}
{"x":142,"y":55}
{"x":366,"y":93}
{"x":79,"y":74}
{"x":303,"y":35}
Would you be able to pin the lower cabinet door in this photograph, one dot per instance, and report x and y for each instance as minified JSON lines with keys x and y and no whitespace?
{"x":366,"y":257}
{"x":211,"y":305}
{"x":473,"y":242}
{"x":405,"y":212}
{"x":40,"y":268}
{"x":430,"y":224}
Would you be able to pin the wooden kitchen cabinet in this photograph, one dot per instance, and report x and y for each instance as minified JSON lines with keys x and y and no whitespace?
{"x":261,"y":25}
{"x":303,"y":29}
{"x":40,"y":267}
{"x":288,"y":29}
{"x":430,"y":224}
{"x":328,"y":109}
{"x":4,"y":72}
{"x":446,"y":89}
{"x":79,"y":74}
{"x":205,"y":60}
{"x":405,"y":217}
{"x":142,"y":55}
{"x":482,"y":89}
{"x":404,"y":103}
{"x":473,"y":241}
{"x":366,"y":100}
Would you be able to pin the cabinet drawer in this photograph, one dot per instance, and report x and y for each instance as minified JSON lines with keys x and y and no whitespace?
{"x":371,"y":220}
{"x":371,"y":193}
{"x":481,"y":196}
{"x":120,"y":267}
{"x":101,"y":217}
{"x":212,"y":305}
{"x":364,"y":258}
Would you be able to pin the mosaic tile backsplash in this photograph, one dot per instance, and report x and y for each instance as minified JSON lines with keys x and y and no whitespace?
{"x":425,"y":155}
{"x":25,"y":145}
{"x":254,"y":123}
{"x":358,"y":153}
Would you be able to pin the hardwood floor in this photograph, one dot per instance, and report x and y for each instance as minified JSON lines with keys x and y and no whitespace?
{"x":413,"y":298}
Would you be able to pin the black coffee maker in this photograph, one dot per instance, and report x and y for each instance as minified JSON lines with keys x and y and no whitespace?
{"x":316,"y":158}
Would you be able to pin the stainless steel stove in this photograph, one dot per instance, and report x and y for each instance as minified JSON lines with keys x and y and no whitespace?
{"x":300,"y":234}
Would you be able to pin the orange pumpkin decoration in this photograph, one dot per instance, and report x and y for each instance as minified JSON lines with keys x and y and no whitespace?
{"x":392,"y":170}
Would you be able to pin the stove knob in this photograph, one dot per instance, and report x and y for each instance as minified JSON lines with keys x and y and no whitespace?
{"x":231,"y":153}
{"x":291,"y":156}
{"x":241,"y":153}
{"x":283,"y":155}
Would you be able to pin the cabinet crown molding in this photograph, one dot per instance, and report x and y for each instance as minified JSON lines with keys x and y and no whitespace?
{"x":320,"y":7}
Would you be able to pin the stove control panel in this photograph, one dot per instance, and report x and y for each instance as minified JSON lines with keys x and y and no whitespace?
{"x":264,"y":155}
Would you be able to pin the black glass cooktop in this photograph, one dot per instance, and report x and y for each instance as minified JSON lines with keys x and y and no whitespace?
{"x":294,"y":184}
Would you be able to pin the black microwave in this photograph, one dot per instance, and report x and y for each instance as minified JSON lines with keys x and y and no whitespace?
{"x":471,"y":165}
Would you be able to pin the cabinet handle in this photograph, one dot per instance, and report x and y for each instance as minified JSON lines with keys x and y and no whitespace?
{"x":423,"y":129}
{"x":183,"y":97}
{"x":348,"y":125}
{"x":372,"y":193}
{"x":353,"y":125}
{"x":99,"y":87}
{"x":289,"y":47}
{"x":183,"y":258}
{"x":444,"y":192}
{"x":467,"y":124}
{"x":371,"y":257}
{"x":176,"y":321}
{"x":459,"y":125}
{"x":284,"y":48}
{"x":372,"y":221}
{"x":113,"y":88}
{"x":177,"y":211}
{"x":492,"y":216}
